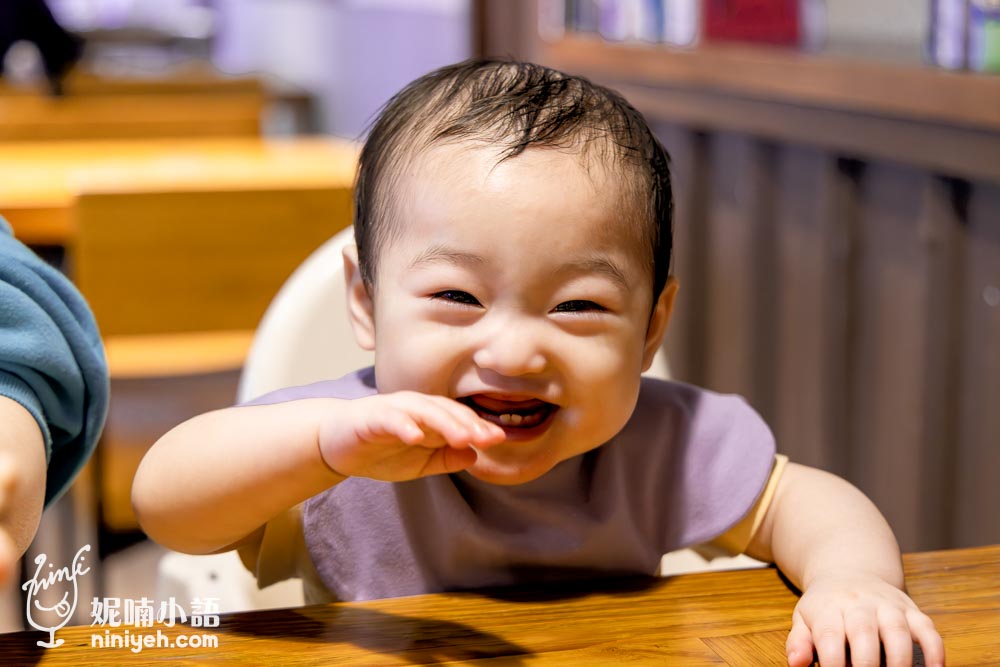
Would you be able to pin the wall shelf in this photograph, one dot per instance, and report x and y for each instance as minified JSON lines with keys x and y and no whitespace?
{"x":946,"y":122}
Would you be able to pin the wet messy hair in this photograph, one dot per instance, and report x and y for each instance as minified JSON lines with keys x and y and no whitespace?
{"x":511,"y":106}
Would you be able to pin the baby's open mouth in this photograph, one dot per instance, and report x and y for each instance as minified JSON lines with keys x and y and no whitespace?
{"x":510,"y":414}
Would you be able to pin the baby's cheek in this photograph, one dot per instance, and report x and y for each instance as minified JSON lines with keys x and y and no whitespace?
{"x":607,"y":372}
{"x":415,"y":365}
{"x":613,"y":398}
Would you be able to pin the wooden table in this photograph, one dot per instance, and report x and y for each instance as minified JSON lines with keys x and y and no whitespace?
{"x":39,"y":180}
{"x":728,"y":618}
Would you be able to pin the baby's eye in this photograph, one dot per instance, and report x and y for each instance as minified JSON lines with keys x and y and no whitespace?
{"x":577,"y":305}
{"x":457,"y":296}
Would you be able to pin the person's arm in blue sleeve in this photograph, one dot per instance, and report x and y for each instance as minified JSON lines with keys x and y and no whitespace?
{"x":53,"y":391}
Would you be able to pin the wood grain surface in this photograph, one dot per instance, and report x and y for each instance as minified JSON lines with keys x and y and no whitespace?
{"x":726,"y":618}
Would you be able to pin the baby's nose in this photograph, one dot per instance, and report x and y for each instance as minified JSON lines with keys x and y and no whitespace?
{"x":511,"y":351}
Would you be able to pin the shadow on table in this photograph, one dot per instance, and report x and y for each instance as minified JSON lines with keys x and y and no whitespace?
{"x":22,"y":648}
{"x":571,"y":585}
{"x":416,"y":640}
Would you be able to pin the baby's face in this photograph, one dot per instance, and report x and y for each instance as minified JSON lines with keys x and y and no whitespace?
{"x":516,"y":289}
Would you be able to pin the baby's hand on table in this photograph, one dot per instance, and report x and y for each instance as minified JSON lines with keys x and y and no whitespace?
{"x":860,"y":609}
{"x":404,"y":435}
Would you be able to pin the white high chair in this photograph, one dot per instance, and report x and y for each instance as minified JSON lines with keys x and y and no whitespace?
{"x":304,"y":337}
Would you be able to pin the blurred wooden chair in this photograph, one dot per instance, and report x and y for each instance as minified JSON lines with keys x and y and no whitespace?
{"x":95,"y":108}
{"x":178,"y":282}
{"x":82,"y":81}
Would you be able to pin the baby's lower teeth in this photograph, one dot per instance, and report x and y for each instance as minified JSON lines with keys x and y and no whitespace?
{"x":511,"y":419}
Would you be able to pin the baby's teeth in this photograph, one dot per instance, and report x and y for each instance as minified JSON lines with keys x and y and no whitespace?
{"x":510,"y":419}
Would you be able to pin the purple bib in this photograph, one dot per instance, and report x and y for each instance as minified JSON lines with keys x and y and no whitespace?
{"x":688,"y":466}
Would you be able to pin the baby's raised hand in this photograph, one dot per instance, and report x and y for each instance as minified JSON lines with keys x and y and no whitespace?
{"x":861,"y":610}
{"x":404,"y":435}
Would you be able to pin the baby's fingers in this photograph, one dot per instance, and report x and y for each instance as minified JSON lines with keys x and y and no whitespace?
{"x":443,"y":422}
{"x":393,"y":423}
{"x":799,"y":645}
{"x":448,"y":460}
{"x":413,"y":420}
{"x":828,"y":638}
{"x":484,"y":433}
{"x":451,"y":429}
{"x":862,"y":627}
{"x":922,"y":629}
{"x":896,"y":639}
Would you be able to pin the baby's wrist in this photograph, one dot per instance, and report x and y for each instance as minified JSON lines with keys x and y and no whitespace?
{"x":323,"y":447}
{"x":338,"y":476}
{"x":328,"y":436}
{"x":849,"y":576}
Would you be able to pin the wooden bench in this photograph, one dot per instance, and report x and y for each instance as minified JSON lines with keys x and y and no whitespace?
{"x":193,"y":104}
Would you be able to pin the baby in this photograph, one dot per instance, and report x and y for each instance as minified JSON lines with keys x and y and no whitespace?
{"x":511,"y":274}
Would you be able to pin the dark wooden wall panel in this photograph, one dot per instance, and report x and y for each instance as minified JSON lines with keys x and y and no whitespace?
{"x":823,"y":288}
{"x":814,"y":218}
{"x":898,"y":268}
{"x":977,"y":448}
{"x":739,"y":296}
{"x":940,"y":231}
{"x":689,"y":167}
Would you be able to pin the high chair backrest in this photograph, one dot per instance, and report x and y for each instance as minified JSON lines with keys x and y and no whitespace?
{"x":305,"y":335}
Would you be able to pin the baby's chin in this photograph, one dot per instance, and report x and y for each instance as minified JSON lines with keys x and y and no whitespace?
{"x":508,"y":470}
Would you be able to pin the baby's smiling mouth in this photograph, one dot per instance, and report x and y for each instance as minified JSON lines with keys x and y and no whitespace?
{"x":510,"y":414}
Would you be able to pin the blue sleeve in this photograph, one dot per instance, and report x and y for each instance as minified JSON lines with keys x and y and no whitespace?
{"x":51,"y":359}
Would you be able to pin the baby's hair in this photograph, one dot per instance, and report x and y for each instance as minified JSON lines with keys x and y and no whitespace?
{"x":511,"y":106}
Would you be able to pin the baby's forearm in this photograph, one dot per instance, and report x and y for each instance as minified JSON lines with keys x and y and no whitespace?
{"x":822,"y":525}
{"x":215,"y":479}
{"x":833,"y":544}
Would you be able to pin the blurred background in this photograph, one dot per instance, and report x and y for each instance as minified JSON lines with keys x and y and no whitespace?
{"x":837,"y":186}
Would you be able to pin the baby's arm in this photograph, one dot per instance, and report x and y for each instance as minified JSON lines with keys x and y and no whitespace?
{"x":22,"y":482}
{"x":834,"y":544}
{"x":214,"y":481}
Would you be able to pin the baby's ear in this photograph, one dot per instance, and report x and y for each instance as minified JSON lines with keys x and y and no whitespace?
{"x":360,"y":308}
{"x":658,"y":322}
